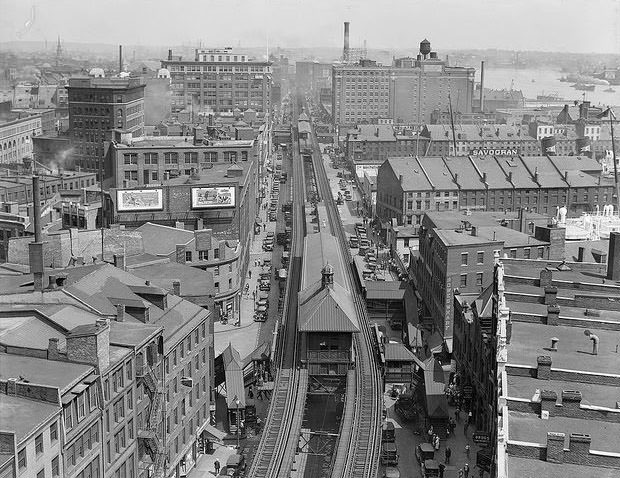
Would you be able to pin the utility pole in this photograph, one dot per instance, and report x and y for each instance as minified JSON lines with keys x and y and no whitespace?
{"x":452,"y":123}
{"x":612,"y":117}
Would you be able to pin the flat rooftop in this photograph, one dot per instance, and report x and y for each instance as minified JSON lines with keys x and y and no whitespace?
{"x":527,"y":468}
{"x":183,"y":142}
{"x":63,"y":375}
{"x":530,"y":340}
{"x":592,"y":394}
{"x":529,"y":427}
{"x":24,"y":416}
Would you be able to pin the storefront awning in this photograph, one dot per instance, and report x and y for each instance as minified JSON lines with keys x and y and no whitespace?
{"x":214,"y":433}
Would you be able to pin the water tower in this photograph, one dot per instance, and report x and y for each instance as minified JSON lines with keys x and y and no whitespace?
{"x":425,"y":48}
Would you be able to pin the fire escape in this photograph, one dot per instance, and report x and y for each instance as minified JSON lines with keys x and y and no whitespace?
{"x":149,"y":438}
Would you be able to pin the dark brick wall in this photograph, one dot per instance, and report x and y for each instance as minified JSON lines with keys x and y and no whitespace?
{"x":527,"y":451}
{"x":611,"y":302}
{"x":32,"y":391}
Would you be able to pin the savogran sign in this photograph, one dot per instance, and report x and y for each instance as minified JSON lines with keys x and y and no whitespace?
{"x":494,"y":152}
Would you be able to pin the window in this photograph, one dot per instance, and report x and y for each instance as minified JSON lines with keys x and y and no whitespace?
{"x":131,"y":158}
{"x":150,"y":158}
{"x":81,"y":406}
{"x":21,"y":458}
{"x":55,"y":466}
{"x":68,"y":417}
{"x":479,"y":277}
{"x":38,"y":444}
{"x":480,"y":257}
{"x":541,"y":252}
{"x":171,"y":158}
{"x":463,"y":280}
{"x":188,"y":256}
{"x":526,"y":253}
{"x":216,"y":271}
{"x":464,"y":258}
{"x":191,"y":157}
{"x":203,"y":255}
{"x":130,"y":400}
{"x":54,"y":432}
{"x":92,"y":397}
{"x":130,"y":429}
{"x":513,"y":253}
{"x":129,"y":371}
{"x":196,"y":335}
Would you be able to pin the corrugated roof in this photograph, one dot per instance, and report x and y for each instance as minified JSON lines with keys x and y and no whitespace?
{"x":328,"y":310}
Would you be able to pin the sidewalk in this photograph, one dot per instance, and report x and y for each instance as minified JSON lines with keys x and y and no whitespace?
{"x":205,"y":464}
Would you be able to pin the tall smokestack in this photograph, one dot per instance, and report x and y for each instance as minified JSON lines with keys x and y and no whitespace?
{"x":482,"y":86}
{"x":35,"y":251}
{"x":345,"y":52}
{"x":169,"y":55}
{"x":120,"y":58}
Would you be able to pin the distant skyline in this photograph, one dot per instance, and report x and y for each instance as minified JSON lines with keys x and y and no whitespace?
{"x":578,"y":26}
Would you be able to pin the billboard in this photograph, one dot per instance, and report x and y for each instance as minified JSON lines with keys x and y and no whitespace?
{"x":213,"y":197}
{"x":139,"y":200}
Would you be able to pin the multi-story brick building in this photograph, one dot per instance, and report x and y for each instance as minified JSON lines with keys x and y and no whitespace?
{"x":97,"y":106}
{"x":488,"y":139}
{"x":407,"y":91}
{"x":153,"y":361}
{"x":456,"y":253}
{"x":368,"y":146}
{"x":16,"y":137}
{"x":153,"y":160}
{"x":490,"y":183}
{"x":219,"y":80}
{"x":549,"y":407}
{"x":50,"y":413}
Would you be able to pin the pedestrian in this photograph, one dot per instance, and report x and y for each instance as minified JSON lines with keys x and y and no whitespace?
{"x":442,"y":468}
{"x":250,"y":392}
{"x":448,"y":431}
{"x":457,"y":414}
{"x":430,"y":434}
{"x":448,"y":455}
{"x":250,"y":274}
{"x":465,"y":427}
{"x":264,"y":227}
{"x":470,"y":417}
{"x":437,"y":443}
{"x":216,"y":465}
{"x":467,"y":448}
{"x":466,"y":470}
{"x":461,"y":473}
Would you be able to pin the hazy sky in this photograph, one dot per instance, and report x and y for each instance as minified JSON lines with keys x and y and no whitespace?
{"x":553,"y":25}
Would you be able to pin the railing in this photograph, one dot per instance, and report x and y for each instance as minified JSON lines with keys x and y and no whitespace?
{"x":329,"y":355}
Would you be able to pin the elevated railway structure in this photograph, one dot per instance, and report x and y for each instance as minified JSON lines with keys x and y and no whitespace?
{"x":276,"y":451}
{"x":357,"y":453}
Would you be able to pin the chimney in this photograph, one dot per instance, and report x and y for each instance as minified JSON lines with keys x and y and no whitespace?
{"x":613,"y":257}
{"x":176,"y":287}
{"x":199,"y":135}
{"x":553,"y":314}
{"x":170,"y":55}
{"x":482,"y":86}
{"x":180,"y":249}
{"x":327,"y":276}
{"x":119,"y":261}
{"x":484,"y":177}
{"x":345,"y":52}
{"x":551,"y":295}
{"x":554,"y":344}
{"x":543,"y":370}
{"x":509,"y":176}
{"x":11,"y":386}
{"x":474,"y":231}
{"x":120,"y":58}
{"x":90,"y":344}
{"x":580,"y":253}
{"x":400,"y":179}
{"x":120,"y":312}
{"x":35,"y":249}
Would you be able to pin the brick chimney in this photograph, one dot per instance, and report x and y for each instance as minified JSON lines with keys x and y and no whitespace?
{"x":551,"y":295}
{"x":90,"y":344}
{"x":548,"y":399}
{"x":176,"y":287}
{"x":579,"y":446}
{"x":120,"y":312}
{"x":571,"y":402}
{"x":555,"y":447}
{"x":546,"y":278}
{"x":543,"y":371}
{"x":119,"y":261}
{"x":613,"y":257}
{"x":553,"y":314}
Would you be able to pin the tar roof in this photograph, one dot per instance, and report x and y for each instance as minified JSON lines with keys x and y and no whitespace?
{"x":194,"y":281}
{"x":514,"y":167}
{"x":63,"y":375}
{"x":413,"y":178}
{"x":162,"y":240}
{"x":437,"y":172}
{"x":467,"y":176}
{"x":372,"y":132}
{"x":24,"y":416}
{"x":495,"y":177}
{"x":548,"y":175}
{"x":527,"y":468}
{"x":28,"y":332}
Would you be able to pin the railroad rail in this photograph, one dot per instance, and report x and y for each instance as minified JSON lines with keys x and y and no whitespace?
{"x":278,"y":445}
{"x":357,"y":455}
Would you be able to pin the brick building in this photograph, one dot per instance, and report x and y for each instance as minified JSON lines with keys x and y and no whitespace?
{"x":219,"y":80}
{"x":456,"y":253}
{"x":368,"y":146}
{"x":16,"y":137}
{"x":97,"y":106}
{"x":50,"y":413}
{"x":471,"y":139}
{"x":489,"y":183}
{"x":536,"y":351}
{"x":153,"y":361}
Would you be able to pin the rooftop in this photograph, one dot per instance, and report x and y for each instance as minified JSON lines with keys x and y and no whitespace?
{"x":24,"y":416}
{"x":372,"y":132}
{"x":63,"y":375}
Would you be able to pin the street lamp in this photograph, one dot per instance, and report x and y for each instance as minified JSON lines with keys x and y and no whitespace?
{"x":237,"y":402}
